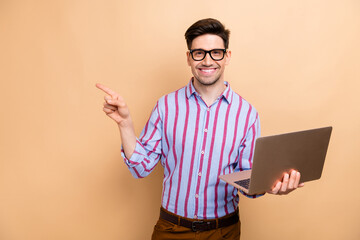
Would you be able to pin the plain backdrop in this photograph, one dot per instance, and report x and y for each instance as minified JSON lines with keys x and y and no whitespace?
{"x":61,"y":173}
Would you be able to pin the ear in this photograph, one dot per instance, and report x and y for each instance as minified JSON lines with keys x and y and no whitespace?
{"x":188,"y":58}
{"x":227,"y":57}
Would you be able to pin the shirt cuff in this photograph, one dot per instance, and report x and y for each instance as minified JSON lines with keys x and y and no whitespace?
{"x":136,"y":158}
{"x":251,"y":196}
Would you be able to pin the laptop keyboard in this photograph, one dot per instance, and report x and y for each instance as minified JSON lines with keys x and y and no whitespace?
{"x":244,"y":183}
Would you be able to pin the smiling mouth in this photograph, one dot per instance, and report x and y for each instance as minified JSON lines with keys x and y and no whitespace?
{"x":207,"y":70}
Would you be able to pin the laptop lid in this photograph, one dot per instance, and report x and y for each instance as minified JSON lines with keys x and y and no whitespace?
{"x":304,"y":151}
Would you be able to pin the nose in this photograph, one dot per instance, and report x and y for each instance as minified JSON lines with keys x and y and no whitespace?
{"x":207,"y":60}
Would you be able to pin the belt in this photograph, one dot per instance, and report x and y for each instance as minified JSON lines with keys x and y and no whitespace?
{"x":200,"y":225}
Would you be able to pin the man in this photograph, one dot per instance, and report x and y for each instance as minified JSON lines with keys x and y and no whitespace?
{"x":198,"y":132}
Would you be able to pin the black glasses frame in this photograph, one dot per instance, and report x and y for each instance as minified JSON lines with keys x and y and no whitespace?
{"x":207,"y":52}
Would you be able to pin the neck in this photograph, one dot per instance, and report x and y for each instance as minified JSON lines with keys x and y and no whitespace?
{"x":209,"y":93}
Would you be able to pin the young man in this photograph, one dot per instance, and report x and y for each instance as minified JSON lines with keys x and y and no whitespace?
{"x":198,"y":132}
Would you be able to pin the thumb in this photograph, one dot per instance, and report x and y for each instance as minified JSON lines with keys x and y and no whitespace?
{"x":115,"y":102}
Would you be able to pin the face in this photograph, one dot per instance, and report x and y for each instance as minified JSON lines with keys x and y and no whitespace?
{"x":208,"y":71}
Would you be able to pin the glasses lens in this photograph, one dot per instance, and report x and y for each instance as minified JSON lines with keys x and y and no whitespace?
{"x":217,"y":54}
{"x":198,"y":54}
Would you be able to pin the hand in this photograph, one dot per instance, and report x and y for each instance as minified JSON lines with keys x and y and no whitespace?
{"x":288,"y":184}
{"x":114,"y":105}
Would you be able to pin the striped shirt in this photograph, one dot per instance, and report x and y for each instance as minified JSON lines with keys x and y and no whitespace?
{"x":196,"y":143}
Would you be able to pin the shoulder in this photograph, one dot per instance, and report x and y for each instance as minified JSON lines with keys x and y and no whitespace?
{"x":244,"y":104}
{"x":172,"y":97}
{"x":248,"y":113}
{"x":167,"y":103}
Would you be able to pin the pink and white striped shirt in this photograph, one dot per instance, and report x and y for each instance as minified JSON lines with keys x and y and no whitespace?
{"x":196,"y":143}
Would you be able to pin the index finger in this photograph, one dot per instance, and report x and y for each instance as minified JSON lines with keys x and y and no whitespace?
{"x":276,"y":188}
{"x":106,"y":90}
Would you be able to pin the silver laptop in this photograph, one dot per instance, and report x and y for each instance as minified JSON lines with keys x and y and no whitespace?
{"x":304,"y":151}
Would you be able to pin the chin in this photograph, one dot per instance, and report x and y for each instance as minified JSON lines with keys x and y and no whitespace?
{"x":208,"y":82}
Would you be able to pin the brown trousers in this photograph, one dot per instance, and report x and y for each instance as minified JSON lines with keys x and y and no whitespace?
{"x":165,"y":230}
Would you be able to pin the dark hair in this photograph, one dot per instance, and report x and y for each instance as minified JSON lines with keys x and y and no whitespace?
{"x":207,"y":26}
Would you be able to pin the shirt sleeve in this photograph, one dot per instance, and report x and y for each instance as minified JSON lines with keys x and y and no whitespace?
{"x":247,"y":151}
{"x":147,"y":151}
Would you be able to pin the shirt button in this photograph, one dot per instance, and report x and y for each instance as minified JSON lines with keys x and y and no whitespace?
{"x":196,"y":195}
{"x":195,"y":216}
{"x":199,"y":174}
{"x":205,"y":130}
{"x":202,"y":152}
{"x":208,"y":109}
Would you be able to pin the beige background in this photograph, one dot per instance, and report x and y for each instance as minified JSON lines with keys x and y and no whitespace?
{"x":61,"y":174}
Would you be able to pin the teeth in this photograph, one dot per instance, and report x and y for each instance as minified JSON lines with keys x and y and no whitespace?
{"x":207,"y":70}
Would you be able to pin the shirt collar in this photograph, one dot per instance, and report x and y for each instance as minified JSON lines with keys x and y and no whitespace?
{"x":227,"y":94}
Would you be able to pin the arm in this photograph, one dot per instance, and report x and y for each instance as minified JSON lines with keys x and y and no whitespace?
{"x":116,"y":108}
{"x":246,"y":152}
{"x":287,"y":184}
{"x":140,"y":156}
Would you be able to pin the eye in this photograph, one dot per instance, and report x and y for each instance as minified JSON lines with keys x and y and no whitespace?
{"x":216,"y":52}
{"x":198,"y":53}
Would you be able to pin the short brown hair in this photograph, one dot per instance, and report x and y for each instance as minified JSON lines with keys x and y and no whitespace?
{"x":207,"y":26}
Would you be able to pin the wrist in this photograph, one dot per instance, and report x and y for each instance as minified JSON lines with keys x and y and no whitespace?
{"x":126,"y":127}
{"x":125,"y":123}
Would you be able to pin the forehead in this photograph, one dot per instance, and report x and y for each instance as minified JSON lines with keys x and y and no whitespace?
{"x":207,"y":42}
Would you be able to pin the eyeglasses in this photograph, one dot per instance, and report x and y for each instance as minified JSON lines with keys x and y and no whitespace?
{"x":200,"y":54}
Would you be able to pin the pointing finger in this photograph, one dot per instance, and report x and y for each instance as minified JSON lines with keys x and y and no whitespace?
{"x":106,"y":90}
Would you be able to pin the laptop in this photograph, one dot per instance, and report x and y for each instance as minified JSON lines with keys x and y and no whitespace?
{"x":304,"y":151}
